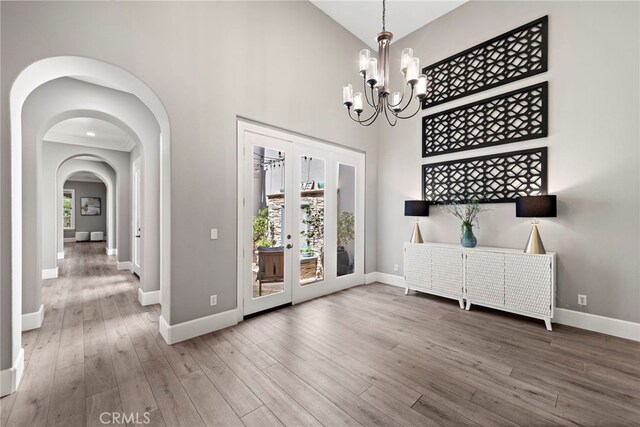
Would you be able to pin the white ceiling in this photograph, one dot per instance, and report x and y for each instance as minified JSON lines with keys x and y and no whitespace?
{"x":364,"y":18}
{"x":74,"y":131}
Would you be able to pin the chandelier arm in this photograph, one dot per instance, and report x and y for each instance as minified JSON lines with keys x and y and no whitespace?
{"x":365,"y":120}
{"x":408,"y":103}
{"x":372,"y":102}
{"x":373,"y":98}
{"x":408,"y":117}
{"x":386,"y":114}
{"x":369,"y":121}
{"x":404,"y":93}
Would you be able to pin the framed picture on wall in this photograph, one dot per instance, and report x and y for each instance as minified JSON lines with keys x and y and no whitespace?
{"x":90,"y":206}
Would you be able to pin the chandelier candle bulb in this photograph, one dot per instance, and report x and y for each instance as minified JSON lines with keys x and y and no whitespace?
{"x":407,"y":54}
{"x":358,"y":105}
{"x":413,"y":71}
{"x":364,"y":60}
{"x":421,"y":87}
{"x":347,"y":95}
{"x":395,"y":101}
{"x":372,"y":72}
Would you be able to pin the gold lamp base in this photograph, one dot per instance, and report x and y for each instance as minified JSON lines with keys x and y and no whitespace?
{"x":534,"y":245}
{"x":416,"y":236}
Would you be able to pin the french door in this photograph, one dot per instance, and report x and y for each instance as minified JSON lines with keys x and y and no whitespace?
{"x":301,"y":218}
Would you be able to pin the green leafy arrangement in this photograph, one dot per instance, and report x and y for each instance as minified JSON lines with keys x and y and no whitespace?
{"x":262,"y":229}
{"x":467,"y":213}
{"x":314,"y":220}
{"x":346,"y":222}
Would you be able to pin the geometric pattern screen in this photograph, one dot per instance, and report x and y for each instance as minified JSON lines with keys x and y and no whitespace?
{"x":496,"y":178}
{"x":511,"y":56}
{"x":519,"y":115}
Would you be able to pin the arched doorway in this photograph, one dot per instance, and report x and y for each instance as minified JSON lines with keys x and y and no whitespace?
{"x":107,"y":75}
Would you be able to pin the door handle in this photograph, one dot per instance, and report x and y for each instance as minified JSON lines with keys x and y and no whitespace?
{"x":138,"y":236}
{"x":289,"y":246}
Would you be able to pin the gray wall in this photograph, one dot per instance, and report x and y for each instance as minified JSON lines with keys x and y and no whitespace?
{"x":281,"y":63}
{"x":593,"y":148}
{"x":89,"y":189}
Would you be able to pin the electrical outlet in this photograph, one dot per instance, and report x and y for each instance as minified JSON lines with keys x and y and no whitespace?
{"x":582,"y":299}
{"x":395,"y":267}
{"x":213,"y":300}
{"x":214,"y":234}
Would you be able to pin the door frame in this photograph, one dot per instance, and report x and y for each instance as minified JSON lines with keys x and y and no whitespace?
{"x":136,"y":216}
{"x":355,"y":157}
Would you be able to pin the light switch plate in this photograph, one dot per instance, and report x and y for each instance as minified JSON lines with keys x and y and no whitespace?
{"x":214,"y":234}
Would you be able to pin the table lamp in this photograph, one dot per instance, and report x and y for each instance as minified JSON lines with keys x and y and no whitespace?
{"x":416,"y":208}
{"x":536,"y":207}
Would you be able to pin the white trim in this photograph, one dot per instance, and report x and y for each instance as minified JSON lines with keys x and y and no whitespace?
{"x":10,"y":378}
{"x":196,"y":327}
{"x":123,"y":265}
{"x":50,"y":273}
{"x":69,"y":239}
{"x":148,"y":298}
{"x":113,"y":251}
{"x":370,"y":277}
{"x":593,"y":322}
{"x":33,"y":320}
{"x":590,"y":322}
{"x":389,"y":279}
{"x":61,"y":255}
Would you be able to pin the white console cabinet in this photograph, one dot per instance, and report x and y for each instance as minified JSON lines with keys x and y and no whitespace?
{"x":504,"y":279}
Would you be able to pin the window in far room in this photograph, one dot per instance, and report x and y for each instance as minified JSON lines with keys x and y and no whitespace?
{"x":68,"y":203}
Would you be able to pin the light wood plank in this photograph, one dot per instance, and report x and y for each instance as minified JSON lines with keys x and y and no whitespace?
{"x":213,"y":409}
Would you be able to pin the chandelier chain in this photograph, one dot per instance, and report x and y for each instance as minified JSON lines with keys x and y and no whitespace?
{"x":384,"y":15}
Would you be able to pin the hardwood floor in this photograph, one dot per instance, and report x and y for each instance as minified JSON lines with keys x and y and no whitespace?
{"x":366,"y":356}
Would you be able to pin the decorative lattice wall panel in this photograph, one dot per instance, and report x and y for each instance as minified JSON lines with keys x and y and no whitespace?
{"x":515,"y":116}
{"x":511,"y":56}
{"x":497,"y":178}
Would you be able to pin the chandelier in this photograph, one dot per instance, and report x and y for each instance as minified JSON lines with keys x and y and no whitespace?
{"x":375,"y":77}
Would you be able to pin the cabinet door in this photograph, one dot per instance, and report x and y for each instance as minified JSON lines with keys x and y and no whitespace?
{"x":485,"y":277}
{"x":528,"y":283}
{"x":447,"y":270}
{"x":417,"y":266}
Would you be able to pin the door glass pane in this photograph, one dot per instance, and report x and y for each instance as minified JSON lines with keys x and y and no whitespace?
{"x":268,"y":221}
{"x":311,"y":220}
{"x":346,"y":218}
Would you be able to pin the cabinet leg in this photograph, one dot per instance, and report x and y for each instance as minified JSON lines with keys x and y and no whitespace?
{"x":461,"y":302}
{"x":468,"y":305}
{"x":406,"y":291}
{"x":547,"y":323}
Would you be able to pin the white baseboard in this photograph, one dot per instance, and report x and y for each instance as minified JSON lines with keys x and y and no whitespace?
{"x":387,"y":279}
{"x":69,"y":239}
{"x":10,"y":378}
{"x":50,"y":273}
{"x":113,"y":251}
{"x":193,"y":328}
{"x":148,"y":298}
{"x":124,"y":265}
{"x":61,"y":255}
{"x":33,"y":320}
{"x":370,"y":278}
{"x":593,"y":322}
{"x":578,"y":319}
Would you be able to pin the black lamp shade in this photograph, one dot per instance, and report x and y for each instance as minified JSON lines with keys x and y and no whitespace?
{"x":536,"y":206}
{"x":416,"y":208}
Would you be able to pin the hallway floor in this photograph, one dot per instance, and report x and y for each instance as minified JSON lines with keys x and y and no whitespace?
{"x":368,"y":355}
